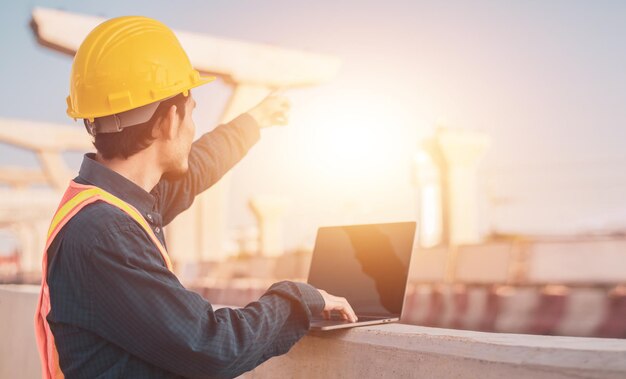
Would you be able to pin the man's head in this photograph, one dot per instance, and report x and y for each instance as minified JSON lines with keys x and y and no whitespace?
{"x":122,"y":69}
{"x":169,"y":132}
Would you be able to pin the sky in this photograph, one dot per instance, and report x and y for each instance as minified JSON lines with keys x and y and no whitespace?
{"x":545,"y":79}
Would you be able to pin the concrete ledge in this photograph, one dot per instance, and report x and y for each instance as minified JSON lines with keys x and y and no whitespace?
{"x":392,"y":350}
{"x":398,"y":350}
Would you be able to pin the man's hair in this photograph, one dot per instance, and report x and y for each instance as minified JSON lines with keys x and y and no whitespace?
{"x":133,"y":139}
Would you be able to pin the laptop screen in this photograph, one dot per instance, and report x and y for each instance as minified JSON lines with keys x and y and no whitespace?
{"x":366,"y":264}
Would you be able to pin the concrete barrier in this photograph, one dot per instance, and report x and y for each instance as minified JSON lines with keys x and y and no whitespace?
{"x":392,"y":351}
{"x":18,"y":350}
{"x":407,"y":351}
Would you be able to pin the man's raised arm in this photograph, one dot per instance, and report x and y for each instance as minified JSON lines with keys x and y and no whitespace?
{"x":216,"y":152}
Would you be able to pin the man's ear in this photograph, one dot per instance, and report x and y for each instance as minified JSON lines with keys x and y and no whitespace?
{"x":169,"y":124}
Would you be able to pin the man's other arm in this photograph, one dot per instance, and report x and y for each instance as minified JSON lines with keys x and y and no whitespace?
{"x":143,"y":308}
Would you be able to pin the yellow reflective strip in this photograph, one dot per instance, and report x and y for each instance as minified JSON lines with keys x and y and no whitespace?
{"x":124,"y":206}
{"x":68,"y":206}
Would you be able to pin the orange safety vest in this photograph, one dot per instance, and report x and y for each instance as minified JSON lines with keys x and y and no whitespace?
{"x":75,"y":198}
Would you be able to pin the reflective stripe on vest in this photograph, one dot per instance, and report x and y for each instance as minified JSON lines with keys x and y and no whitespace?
{"x":75,"y":198}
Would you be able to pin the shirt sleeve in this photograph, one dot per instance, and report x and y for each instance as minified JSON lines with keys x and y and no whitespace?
{"x":143,"y":308}
{"x":211,"y":156}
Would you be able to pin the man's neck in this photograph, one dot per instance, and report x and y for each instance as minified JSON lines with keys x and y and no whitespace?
{"x":139,"y":169}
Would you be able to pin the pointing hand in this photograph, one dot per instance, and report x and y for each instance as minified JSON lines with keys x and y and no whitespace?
{"x":273,"y":110}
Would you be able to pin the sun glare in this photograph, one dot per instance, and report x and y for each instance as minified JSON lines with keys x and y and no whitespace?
{"x":353,"y":135}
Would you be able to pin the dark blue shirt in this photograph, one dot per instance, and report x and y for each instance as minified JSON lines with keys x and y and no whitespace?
{"x":118,"y":312}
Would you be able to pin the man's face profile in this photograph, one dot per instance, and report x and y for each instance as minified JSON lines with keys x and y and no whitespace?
{"x":180,"y":145}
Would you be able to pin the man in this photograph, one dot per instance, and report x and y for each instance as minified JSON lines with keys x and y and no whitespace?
{"x":110,"y":306}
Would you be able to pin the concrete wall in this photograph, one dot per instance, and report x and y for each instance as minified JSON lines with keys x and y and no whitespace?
{"x":393,"y":350}
{"x":576,"y":261}
{"x":598,"y":260}
{"x":406,"y":351}
{"x":18,"y":350}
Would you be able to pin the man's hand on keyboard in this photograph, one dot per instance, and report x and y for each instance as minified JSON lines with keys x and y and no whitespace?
{"x":336,"y":303}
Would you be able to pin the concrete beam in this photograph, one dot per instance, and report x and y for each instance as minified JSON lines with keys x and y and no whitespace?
{"x":20,"y":177}
{"x":44,"y":136}
{"x":26,"y":205}
{"x":237,"y":61}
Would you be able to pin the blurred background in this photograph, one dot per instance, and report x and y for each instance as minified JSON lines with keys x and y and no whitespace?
{"x":496,"y":125}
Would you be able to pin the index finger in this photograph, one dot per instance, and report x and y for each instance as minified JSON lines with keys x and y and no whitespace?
{"x":348,"y":311}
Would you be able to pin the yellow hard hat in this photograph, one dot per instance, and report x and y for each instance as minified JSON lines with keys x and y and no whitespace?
{"x":126,"y":63}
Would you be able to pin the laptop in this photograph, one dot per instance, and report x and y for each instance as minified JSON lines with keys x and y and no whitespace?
{"x":366,"y":264}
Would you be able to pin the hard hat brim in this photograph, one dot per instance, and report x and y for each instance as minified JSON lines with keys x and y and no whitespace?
{"x":203,"y":80}
{"x":199,"y":80}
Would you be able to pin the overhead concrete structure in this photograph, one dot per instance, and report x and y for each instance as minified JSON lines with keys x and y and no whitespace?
{"x":48,"y":141}
{"x":462,"y":151}
{"x":269,"y":211}
{"x":27,"y":211}
{"x":253,"y":69}
{"x":240,"y":62}
{"x":429,"y":200}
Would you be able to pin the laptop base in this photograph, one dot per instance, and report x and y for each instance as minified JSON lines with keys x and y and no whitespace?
{"x":317,"y":324}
